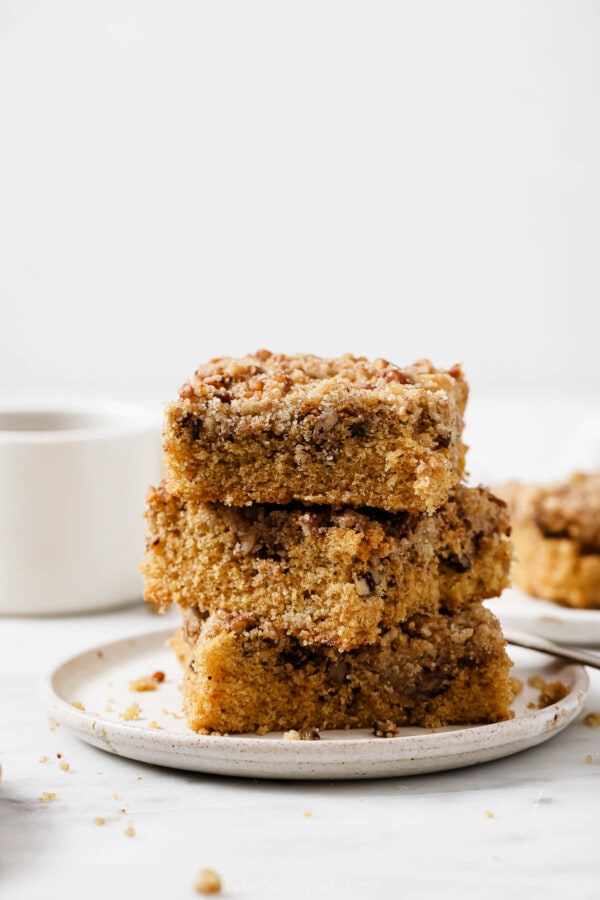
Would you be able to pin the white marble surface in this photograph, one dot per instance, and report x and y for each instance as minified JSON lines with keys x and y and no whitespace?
{"x":415,"y":837}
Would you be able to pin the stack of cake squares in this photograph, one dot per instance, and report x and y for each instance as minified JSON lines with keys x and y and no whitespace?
{"x":328,"y":561}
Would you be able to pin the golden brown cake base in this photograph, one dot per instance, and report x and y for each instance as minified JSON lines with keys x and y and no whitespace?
{"x":556,"y":537}
{"x":555,"y":569}
{"x":432,"y":671}
{"x":339,"y":578}
{"x":344,"y":432}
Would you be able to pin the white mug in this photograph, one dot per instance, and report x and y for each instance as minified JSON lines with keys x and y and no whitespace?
{"x":73,"y":476}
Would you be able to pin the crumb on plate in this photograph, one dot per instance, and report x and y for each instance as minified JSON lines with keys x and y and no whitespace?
{"x":132,"y":712}
{"x":550,"y":691}
{"x":144,"y":683}
{"x":385,"y":729}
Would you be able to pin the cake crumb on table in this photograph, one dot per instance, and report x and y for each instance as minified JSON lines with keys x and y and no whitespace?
{"x":592,"y":720}
{"x":489,"y":814}
{"x":307,"y":814}
{"x":291,"y":735}
{"x":99,"y":820}
{"x":154,"y":724}
{"x":589,"y":758}
{"x":78,"y":705}
{"x":44,"y":759}
{"x":208,"y":882}
{"x":64,"y":766}
{"x":129,"y":831}
{"x":47,"y":796}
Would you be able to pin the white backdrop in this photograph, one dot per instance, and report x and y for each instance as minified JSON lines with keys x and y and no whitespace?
{"x":185,"y":179}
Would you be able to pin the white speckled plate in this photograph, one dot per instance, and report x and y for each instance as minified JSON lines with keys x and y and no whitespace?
{"x":557,"y":623}
{"x":99,"y":681}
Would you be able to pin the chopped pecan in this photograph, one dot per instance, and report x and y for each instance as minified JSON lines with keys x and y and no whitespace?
{"x":309,"y":734}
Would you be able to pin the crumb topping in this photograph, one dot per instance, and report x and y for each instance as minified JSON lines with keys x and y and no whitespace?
{"x":266,"y":375}
{"x":568,"y":509}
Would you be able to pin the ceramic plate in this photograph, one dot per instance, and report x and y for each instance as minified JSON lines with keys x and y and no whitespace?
{"x":557,"y":623}
{"x":98,"y":681}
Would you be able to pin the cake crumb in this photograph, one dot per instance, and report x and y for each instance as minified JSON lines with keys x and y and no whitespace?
{"x":516,"y":685}
{"x":208,"y":882}
{"x":589,"y":758}
{"x":44,"y":759}
{"x":99,"y":820}
{"x":52,"y":724}
{"x":64,"y":766}
{"x":309,"y":734}
{"x":47,"y":796}
{"x":132,"y":712}
{"x":385,"y":729}
{"x":116,"y":796}
{"x":307,"y":814}
{"x":550,"y":691}
{"x":489,"y":814}
{"x":291,"y":735}
{"x":78,"y":705}
{"x":158,"y":676}
{"x":592,"y":720}
{"x":129,"y":831}
{"x":154,"y":724}
{"x":144,"y":683}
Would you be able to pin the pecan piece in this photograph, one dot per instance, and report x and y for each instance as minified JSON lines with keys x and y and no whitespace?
{"x":324,"y":424}
{"x":309,"y":734}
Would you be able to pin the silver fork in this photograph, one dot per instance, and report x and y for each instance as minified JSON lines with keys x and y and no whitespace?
{"x":533,"y":642}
